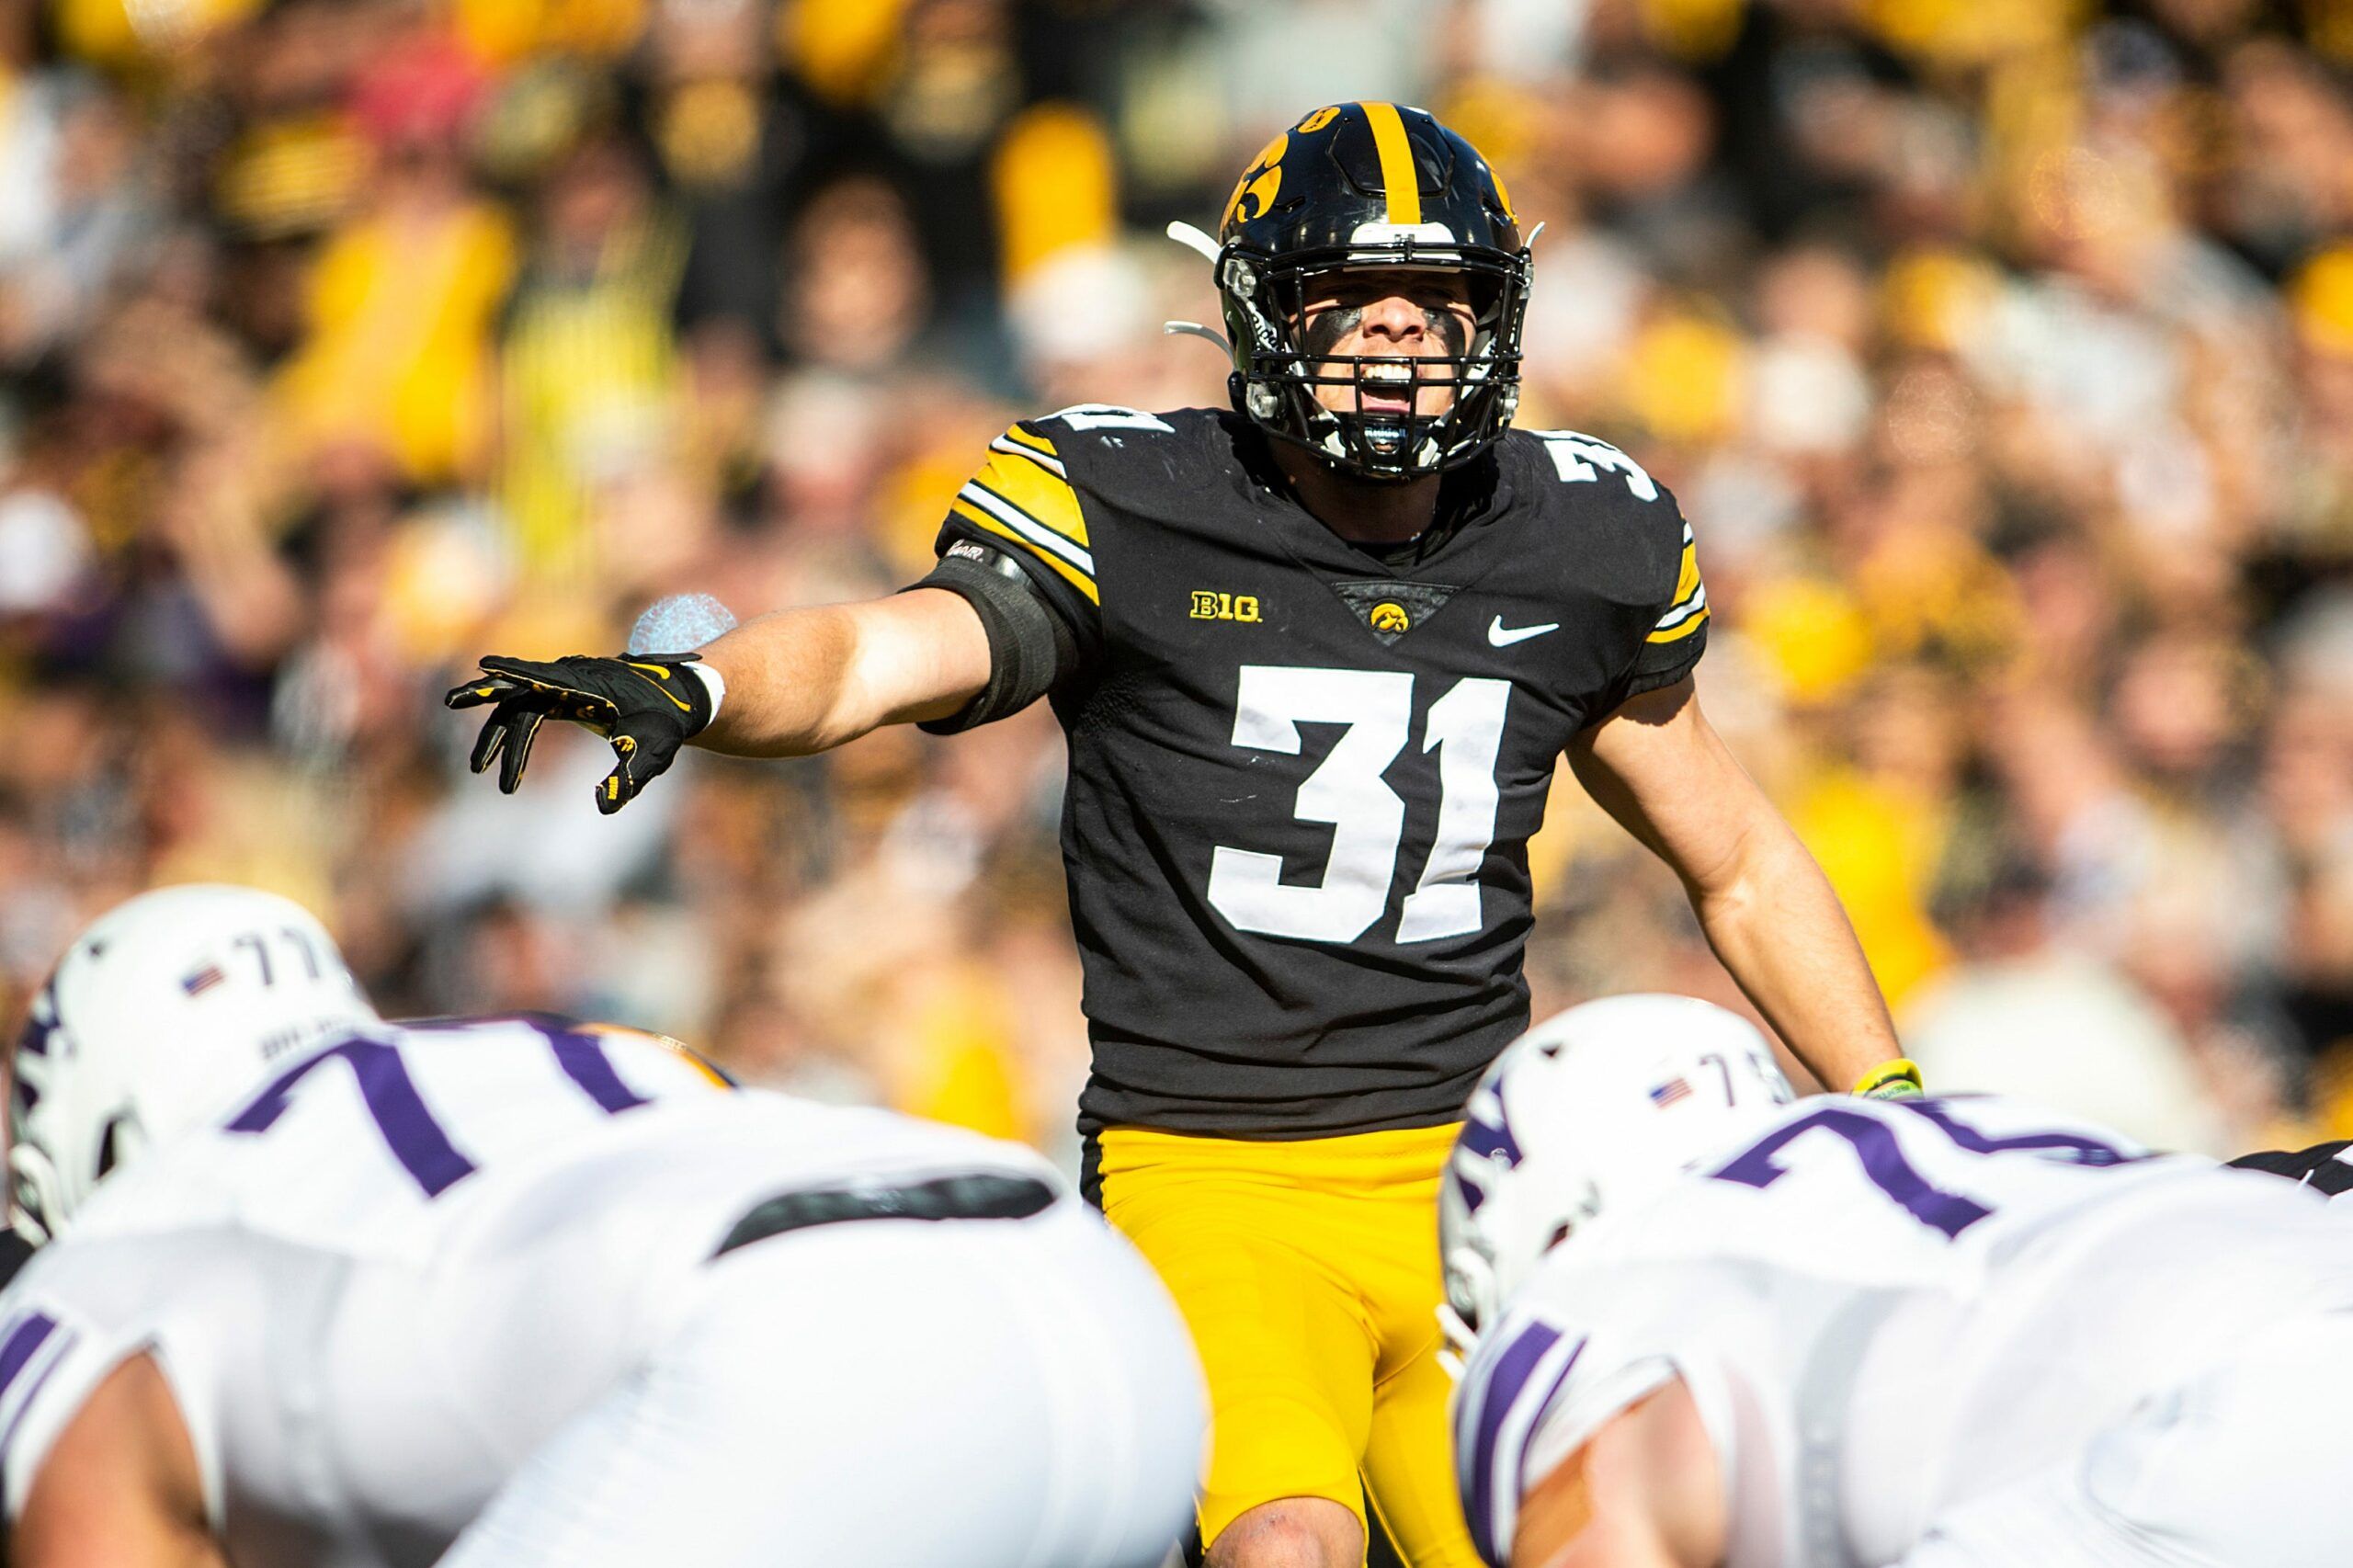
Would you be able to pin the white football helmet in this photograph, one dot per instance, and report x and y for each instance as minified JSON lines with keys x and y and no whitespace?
{"x":167,"y":1005}
{"x":1591,"y":1109}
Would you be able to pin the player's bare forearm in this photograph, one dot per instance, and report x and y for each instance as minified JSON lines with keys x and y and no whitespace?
{"x":803,"y":680}
{"x":1659,"y":768}
{"x":1786,"y":939}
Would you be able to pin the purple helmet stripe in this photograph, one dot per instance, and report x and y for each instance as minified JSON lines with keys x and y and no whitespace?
{"x":1489,"y":1139}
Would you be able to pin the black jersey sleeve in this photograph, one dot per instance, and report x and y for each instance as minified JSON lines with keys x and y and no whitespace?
{"x":1015,"y":544}
{"x":1021,"y":501}
{"x":1678,"y":635}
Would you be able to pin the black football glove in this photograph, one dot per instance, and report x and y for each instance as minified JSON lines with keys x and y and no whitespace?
{"x":647,"y":708}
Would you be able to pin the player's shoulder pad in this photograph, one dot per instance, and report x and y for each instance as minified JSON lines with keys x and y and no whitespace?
{"x":1571,"y":468}
{"x":1618,"y":525}
{"x":1051,"y":484}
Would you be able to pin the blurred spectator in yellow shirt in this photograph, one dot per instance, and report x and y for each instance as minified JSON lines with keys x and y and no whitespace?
{"x":393,"y":369}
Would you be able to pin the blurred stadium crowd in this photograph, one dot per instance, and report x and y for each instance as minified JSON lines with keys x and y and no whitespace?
{"x":2001,"y":352}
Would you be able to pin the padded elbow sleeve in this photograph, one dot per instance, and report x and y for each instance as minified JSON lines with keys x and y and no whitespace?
{"x":1030,"y":647}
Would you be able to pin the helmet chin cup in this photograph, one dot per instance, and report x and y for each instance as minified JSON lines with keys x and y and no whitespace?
{"x":1263,"y":403}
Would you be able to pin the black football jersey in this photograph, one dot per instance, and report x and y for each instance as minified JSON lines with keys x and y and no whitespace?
{"x":1302,"y":780}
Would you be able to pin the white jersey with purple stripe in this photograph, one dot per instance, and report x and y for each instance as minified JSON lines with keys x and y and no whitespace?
{"x":383,"y":1275}
{"x":1883,"y":1310}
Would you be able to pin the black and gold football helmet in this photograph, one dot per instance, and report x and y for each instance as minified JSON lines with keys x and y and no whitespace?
{"x":1361,"y":186}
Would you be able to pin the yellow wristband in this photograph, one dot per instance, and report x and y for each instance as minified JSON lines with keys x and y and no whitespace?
{"x":1896,"y":1079}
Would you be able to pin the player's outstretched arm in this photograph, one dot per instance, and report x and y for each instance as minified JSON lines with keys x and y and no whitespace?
{"x":788,"y":683}
{"x":1659,"y":768}
{"x":806,"y":680}
{"x":1644,"y":1491}
{"x":120,"y":1488}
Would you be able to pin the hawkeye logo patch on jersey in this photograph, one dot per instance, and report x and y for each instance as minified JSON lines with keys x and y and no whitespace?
{"x":1390,"y":610}
{"x":1208,"y":606}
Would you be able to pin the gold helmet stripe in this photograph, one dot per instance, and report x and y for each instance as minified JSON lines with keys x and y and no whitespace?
{"x":1397,"y":176}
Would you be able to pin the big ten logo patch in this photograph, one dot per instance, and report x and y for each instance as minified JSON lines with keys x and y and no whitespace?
{"x":1224,"y":606}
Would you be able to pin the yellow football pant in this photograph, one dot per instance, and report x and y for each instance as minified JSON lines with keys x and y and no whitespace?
{"x":1309,"y":1274}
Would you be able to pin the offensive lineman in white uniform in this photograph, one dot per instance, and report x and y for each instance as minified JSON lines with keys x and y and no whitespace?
{"x":554,"y":1293}
{"x":1716,"y":1327}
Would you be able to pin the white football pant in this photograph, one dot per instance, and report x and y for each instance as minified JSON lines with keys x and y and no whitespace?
{"x":986,"y":1393}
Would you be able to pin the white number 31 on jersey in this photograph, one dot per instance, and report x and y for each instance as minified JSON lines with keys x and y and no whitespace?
{"x":1368,"y":817}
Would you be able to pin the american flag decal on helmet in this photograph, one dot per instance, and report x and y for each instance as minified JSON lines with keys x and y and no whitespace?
{"x":1674,"y":1089}
{"x":203,"y":980}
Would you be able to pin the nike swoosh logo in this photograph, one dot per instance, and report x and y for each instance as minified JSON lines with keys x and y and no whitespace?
{"x":656,"y":672}
{"x":1503,"y":636}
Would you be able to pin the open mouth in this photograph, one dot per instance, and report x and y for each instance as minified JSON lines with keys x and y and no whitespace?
{"x":1397,"y":389}
{"x":1385,"y":389}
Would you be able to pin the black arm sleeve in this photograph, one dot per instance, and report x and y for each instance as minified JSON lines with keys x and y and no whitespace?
{"x":1031,"y":647}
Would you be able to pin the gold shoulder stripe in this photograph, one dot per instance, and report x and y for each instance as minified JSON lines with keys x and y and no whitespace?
{"x":972,"y":513}
{"x":1030,"y":454}
{"x":1398,"y":178}
{"x":1678,"y":633}
{"x":1046,"y":497}
{"x":1032,"y":440}
{"x":1686,"y":581}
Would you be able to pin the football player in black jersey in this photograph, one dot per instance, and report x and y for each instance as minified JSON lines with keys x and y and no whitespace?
{"x":1316,"y":656}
